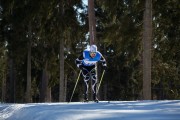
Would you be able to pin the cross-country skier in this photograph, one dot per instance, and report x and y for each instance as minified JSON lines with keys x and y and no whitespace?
{"x":87,"y":63}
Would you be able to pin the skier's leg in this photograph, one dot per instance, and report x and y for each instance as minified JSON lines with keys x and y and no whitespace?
{"x":94,"y":83}
{"x":86,"y":87}
{"x":86,"y":84}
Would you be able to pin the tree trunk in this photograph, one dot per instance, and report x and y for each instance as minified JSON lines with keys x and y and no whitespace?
{"x":147,"y":38}
{"x":61,"y":60}
{"x":45,"y":90}
{"x":65,"y":87}
{"x":28,"y":85}
{"x":92,"y":29}
{"x":11,"y":77}
{"x":61,"y":81}
{"x":47,"y":87}
{"x":3,"y":86}
{"x":42,"y":87}
{"x":92,"y":22}
{"x":11,"y":84}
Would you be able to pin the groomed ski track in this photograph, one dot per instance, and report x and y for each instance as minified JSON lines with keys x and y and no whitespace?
{"x":104,"y":110}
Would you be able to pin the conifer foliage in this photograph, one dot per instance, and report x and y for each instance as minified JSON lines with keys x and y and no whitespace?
{"x":39,"y":41}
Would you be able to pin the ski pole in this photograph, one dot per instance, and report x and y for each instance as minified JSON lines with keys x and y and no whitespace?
{"x":100,"y":81}
{"x":75,"y":85}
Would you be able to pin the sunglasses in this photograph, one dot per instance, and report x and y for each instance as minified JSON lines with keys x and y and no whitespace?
{"x":93,"y":53}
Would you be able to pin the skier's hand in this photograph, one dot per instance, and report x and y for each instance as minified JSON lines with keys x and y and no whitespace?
{"x":80,"y":67}
{"x":104,"y":67}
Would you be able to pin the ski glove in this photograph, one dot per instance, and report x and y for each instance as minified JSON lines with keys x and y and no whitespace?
{"x":104,"y":67}
{"x":80,"y":67}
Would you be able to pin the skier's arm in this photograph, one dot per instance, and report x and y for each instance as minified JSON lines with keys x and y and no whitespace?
{"x":103,"y":61}
{"x":78,"y":61}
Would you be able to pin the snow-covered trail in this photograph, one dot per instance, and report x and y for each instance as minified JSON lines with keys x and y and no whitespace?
{"x":115,"y":110}
{"x":7,"y":111}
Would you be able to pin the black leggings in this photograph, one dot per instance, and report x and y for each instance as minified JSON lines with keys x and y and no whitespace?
{"x":89,"y":73}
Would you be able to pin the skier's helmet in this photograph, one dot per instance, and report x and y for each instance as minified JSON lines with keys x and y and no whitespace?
{"x":93,"y":48}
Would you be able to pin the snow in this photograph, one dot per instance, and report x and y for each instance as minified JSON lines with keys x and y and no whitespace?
{"x":85,"y":2}
{"x":104,"y":110}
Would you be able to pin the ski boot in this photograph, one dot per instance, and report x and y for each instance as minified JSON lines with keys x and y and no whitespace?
{"x":85,"y":98}
{"x":95,"y":98}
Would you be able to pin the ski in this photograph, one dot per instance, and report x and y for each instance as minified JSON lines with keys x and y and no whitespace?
{"x":92,"y":101}
{"x":95,"y":101}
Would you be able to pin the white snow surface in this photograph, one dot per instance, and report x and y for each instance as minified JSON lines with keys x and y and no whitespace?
{"x":104,"y":110}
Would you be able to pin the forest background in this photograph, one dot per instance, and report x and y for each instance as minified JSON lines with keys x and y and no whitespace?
{"x":40,"y":40}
